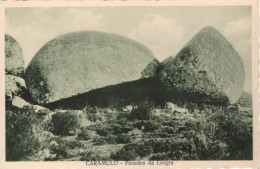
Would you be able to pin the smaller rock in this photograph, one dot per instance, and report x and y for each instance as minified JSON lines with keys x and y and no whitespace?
{"x":150,"y":70}
{"x":48,"y":154}
{"x":16,"y":71}
{"x":181,"y":110}
{"x":14,"y":86}
{"x":156,"y":112}
{"x":128,"y":108}
{"x":19,"y":102}
{"x":170,"y":107}
{"x":40,"y":109}
{"x":82,"y":118}
{"x":54,"y":143}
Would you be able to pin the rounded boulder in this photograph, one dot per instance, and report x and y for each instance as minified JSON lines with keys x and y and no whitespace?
{"x":78,"y":62}
{"x":208,"y":65}
{"x":14,"y":62}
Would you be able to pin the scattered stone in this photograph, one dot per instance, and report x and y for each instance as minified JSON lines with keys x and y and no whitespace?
{"x":127,"y":108}
{"x":181,"y":110}
{"x":14,"y":62}
{"x":41,"y":110}
{"x":170,"y":107}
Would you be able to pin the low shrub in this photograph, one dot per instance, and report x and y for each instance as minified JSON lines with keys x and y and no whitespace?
{"x":127,"y":153}
{"x":111,"y":139}
{"x":91,"y":156}
{"x":23,"y":132}
{"x":85,"y":134}
{"x":61,"y":150}
{"x":103,"y":131}
{"x":99,"y":141}
{"x":123,"y":139}
{"x":63,"y":123}
{"x":146,"y":125}
{"x":143,"y":110}
{"x":159,"y":156}
{"x":132,"y":151}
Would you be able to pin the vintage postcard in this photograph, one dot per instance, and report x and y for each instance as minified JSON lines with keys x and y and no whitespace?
{"x":129,"y":84}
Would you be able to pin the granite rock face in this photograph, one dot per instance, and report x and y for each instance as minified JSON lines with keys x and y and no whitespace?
{"x":14,"y":62}
{"x":151,"y":69}
{"x":14,"y":86}
{"x":207,"y":65}
{"x":163,"y":64}
{"x":154,"y":68}
{"x":78,"y":62}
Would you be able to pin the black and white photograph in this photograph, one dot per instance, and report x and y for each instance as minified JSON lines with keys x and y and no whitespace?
{"x":128,"y":83}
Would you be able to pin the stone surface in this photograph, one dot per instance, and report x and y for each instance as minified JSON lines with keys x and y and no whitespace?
{"x":207,"y":66}
{"x":163,"y":64}
{"x":82,"y":61}
{"x":14,"y":86}
{"x":154,"y":68}
{"x":14,"y":62}
{"x":151,"y":69}
{"x":19,"y":102}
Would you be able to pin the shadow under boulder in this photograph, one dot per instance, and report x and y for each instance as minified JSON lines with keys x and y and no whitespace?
{"x":133,"y":92}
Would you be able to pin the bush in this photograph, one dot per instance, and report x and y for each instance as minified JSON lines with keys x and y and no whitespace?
{"x":85,"y":135}
{"x":132,"y":151}
{"x":123,"y":139}
{"x":91,"y":156}
{"x":111,"y":139}
{"x":159,"y":156}
{"x":144,"y":150}
{"x":61,"y":150}
{"x":63,"y":123}
{"x":103,"y":131}
{"x":127,"y":153}
{"x":143,"y":110}
{"x":147,"y":126}
{"x":22,"y":134}
{"x":235,"y":128}
{"x":122,"y":126}
{"x":99,"y":141}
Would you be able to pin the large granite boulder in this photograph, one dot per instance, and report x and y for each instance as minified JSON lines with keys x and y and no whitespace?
{"x":14,"y":63}
{"x":207,"y":66}
{"x":82,"y":61}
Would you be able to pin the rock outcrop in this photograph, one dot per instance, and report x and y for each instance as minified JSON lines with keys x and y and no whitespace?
{"x":14,"y":62}
{"x":163,"y":64}
{"x":19,"y":102}
{"x":14,"y":86}
{"x":207,"y":67}
{"x":79,"y":62}
{"x":154,"y":68}
{"x":151,"y":69}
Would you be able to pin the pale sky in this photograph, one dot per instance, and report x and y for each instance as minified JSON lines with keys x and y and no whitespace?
{"x":164,"y":30}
